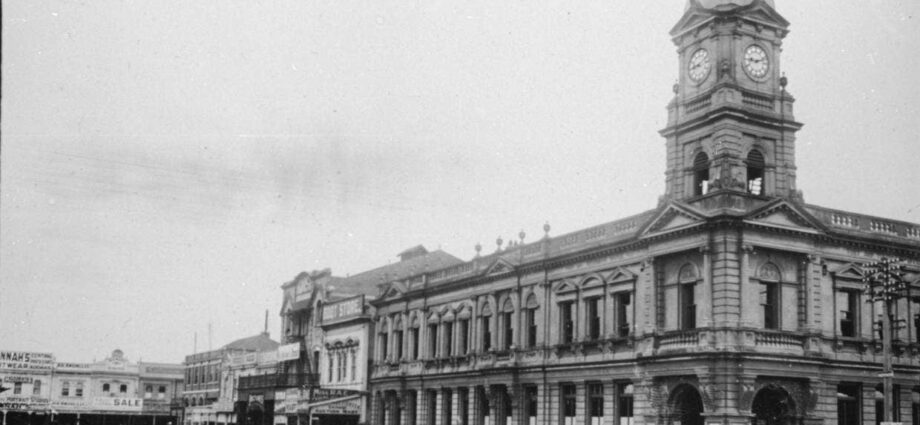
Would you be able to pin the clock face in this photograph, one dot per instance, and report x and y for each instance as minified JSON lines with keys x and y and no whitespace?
{"x":756,"y":62}
{"x":699,"y":65}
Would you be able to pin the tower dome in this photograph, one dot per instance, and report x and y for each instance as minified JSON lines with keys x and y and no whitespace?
{"x":725,"y":4}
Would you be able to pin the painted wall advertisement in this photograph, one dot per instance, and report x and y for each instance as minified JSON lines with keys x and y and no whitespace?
{"x":345,"y":308}
{"x":17,"y":402}
{"x":289,"y":352}
{"x":26,"y":360}
{"x":122,"y":404}
{"x":346,"y":407}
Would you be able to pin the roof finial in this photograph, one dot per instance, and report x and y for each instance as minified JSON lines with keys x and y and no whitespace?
{"x":478,"y":248}
{"x":499,"y":243}
{"x":546,"y":230}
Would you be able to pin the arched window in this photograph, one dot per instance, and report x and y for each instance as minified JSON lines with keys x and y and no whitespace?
{"x":398,"y":338}
{"x":755,"y":172}
{"x":486,"y":326}
{"x":700,"y":174}
{"x":686,"y":406}
{"x":773,"y":406}
{"x":507,"y":319}
{"x":382,"y":339}
{"x":105,"y":387}
{"x":688,"y":277}
{"x":770,"y":283}
{"x":530,"y":321}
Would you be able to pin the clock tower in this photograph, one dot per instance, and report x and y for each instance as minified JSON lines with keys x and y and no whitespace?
{"x":730,"y":125}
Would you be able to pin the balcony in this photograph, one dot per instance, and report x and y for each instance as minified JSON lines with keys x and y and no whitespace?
{"x":278,"y":380}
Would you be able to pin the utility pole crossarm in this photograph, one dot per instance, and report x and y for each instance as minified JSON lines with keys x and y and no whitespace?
{"x":884,"y":282}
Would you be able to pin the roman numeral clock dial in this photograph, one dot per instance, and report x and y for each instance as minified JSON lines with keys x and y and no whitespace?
{"x":756,"y":62}
{"x":699,"y":65}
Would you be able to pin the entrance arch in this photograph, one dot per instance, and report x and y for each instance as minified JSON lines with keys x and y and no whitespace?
{"x":773,"y":406}
{"x":686,"y":406}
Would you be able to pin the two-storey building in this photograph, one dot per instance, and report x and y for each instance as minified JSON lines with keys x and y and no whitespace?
{"x":204,"y":404}
{"x":732,"y":302}
{"x":26,"y":381}
{"x":331,"y":318}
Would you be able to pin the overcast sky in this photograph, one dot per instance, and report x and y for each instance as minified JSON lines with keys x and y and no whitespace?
{"x":170,"y":163}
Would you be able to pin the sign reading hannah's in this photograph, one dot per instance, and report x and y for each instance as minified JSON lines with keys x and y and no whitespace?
{"x":26,"y":360}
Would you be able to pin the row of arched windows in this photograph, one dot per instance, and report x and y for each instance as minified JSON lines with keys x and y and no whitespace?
{"x":449,"y":332}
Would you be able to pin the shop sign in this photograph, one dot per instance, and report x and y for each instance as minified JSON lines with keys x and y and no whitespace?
{"x":304,"y":289}
{"x":268,"y":357}
{"x":345,"y":407}
{"x":289,"y":352}
{"x":118,"y":403}
{"x":82,"y":366}
{"x":323,"y":394}
{"x":34,"y":402}
{"x":345,"y":308}
{"x":243,"y":359}
{"x":160,"y":370}
{"x":156,"y":405}
{"x":69,"y":404}
{"x":18,"y":378}
{"x":6,"y":405}
{"x":26,"y":360}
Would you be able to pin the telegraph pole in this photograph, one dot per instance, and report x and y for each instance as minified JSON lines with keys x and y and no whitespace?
{"x":884,"y":282}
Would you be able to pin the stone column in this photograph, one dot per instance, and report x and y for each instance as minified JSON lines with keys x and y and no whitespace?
{"x":647,"y":295}
{"x":705,"y":302}
{"x":476,"y":395}
{"x":749,"y":292}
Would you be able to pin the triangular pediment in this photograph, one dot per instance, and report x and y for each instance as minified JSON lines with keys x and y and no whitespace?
{"x":849,"y":271}
{"x":621,"y":275}
{"x":690,"y":20}
{"x":566,"y":286}
{"x":785,"y":215}
{"x":500,"y":266}
{"x":395,"y":289}
{"x":673,"y":217}
{"x":757,"y":12}
{"x":766,"y":15}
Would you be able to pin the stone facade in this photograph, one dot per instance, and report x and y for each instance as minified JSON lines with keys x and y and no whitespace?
{"x":732,"y":302}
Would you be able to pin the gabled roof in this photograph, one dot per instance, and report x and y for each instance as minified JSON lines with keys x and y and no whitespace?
{"x":260,"y":342}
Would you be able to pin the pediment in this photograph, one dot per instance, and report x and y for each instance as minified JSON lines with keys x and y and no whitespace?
{"x":566,"y":286}
{"x":500,"y":266}
{"x":394,"y":290}
{"x":766,"y":15}
{"x":620,"y":275}
{"x":672,"y":217}
{"x":756,"y":12}
{"x":785,"y":215}
{"x":849,"y":271}
{"x":690,"y":20}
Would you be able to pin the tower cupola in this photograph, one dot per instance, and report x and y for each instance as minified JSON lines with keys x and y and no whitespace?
{"x":730,"y":124}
